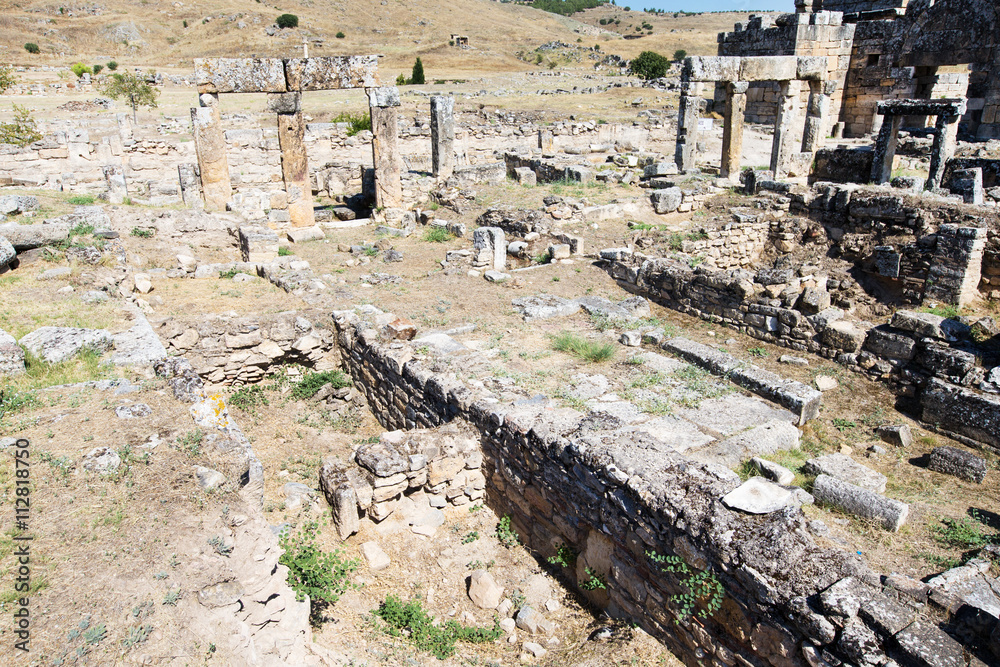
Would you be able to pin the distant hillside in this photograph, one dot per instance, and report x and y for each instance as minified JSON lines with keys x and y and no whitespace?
{"x":162,"y":33}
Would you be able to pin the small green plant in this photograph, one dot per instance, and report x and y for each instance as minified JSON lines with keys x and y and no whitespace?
{"x":172,"y":596}
{"x":702,"y":587}
{"x":284,"y":251}
{"x":410,"y":620}
{"x":81,"y":200}
{"x":438,"y":235}
{"x":565,"y":556}
{"x":319,"y":575}
{"x":313,"y":382}
{"x":95,"y":634}
{"x":190,"y":442}
{"x":340,"y":34}
{"x":112,"y":65}
{"x":593,"y":581}
{"x":23,"y":130}
{"x":965,"y":533}
{"x":506,"y":534}
{"x":401,"y":80}
{"x":757,"y":352}
{"x":371,"y":251}
{"x":248,"y":398}
{"x":220,"y":547}
{"x":842,"y":424}
{"x":943,"y":310}
{"x":355,"y":122}
{"x":470,"y":537}
{"x":229,"y":274}
{"x":80,"y":69}
{"x":31,"y":48}
{"x":97,"y":69}
{"x":287,"y":21}
{"x":578,"y":346}
{"x":137,"y":635}
{"x":142,"y":233}
{"x":7,"y":78}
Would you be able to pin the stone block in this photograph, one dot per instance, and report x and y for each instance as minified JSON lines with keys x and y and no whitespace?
{"x":890,"y":345}
{"x":579,"y":174}
{"x":958,"y":463}
{"x":890,"y":514}
{"x":7,"y":252}
{"x":258,"y":245}
{"x":843,"y":335}
{"x":240,"y":75}
{"x":303,"y":234}
{"x":484,"y":591}
{"x":284,"y":102}
{"x":331,"y":72}
{"x":382,"y":459}
{"x":898,"y":435}
{"x":525,"y":176}
{"x":768,"y":68}
{"x":844,"y":468}
{"x":759,"y":496}
{"x":56,"y":344}
{"x":666,"y":200}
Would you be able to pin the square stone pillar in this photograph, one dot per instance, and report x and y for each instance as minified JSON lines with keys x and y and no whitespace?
{"x":294,"y":164}
{"x":732,"y":131}
{"x":442,"y":136}
{"x":546,"y":141}
{"x":783,"y":124}
{"x":885,"y":149}
{"x":382,"y":103}
{"x":210,"y":147}
{"x":117,"y":188}
{"x":817,"y":114}
{"x":945,"y":140}
{"x":688,"y":114}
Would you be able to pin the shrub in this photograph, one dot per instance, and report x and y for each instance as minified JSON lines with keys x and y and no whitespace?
{"x":649,"y":65}
{"x":438,"y":235}
{"x":417,"y":76}
{"x":7,"y":78}
{"x":401,"y":80}
{"x":506,"y":534}
{"x":340,"y":35}
{"x":356,"y":122}
{"x":31,"y":47}
{"x":287,"y":21}
{"x":249,"y":397}
{"x":97,"y":69}
{"x":22,"y":130}
{"x":80,"y":69}
{"x":313,"y":382}
{"x":81,"y":200}
{"x":141,"y":233}
{"x":185,"y":23}
{"x":680,"y":54}
{"x":578,"y":346}
{"x":320,"y":575}
{"x":112,"y":65}
{"x":411,"y":620}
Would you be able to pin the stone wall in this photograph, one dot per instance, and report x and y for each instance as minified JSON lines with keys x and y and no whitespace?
{"x":623,"y":504}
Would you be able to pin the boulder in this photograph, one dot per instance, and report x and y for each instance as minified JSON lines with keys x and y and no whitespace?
{"x":483,"y":590}
{"x":56,"y":344}
{"x":666,"y":200}
{"x":26,"y":237}
{"x":958,"y":463}
{"x":101,"y":460}
{"x":7,"y":252}
{"x":11,"y":355}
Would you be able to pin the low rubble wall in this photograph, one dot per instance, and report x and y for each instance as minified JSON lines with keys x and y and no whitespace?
{"x":628,"y":510}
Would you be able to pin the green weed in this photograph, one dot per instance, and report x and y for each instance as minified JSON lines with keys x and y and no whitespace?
{"x":578,"y":346}
{"x":412,"y":621}
{"x":320,"y":575}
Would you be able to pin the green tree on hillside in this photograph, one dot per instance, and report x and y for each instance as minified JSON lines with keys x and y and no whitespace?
{"x":132,"y":87}
{"x":417,"y":76}
{"x":649,"y":65}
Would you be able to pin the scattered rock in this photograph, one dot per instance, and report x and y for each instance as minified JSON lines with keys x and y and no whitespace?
{"x":296,"y":493}
{"x":848,"y":470}
{"x":133,"y":411}
{"x":958,"y":463}
{"x":483,"y":590}
{"x":826,"y":383}
{"x":898,"y":435}
{"x":776,"y":473}
{"x":533,"y":622}
{"x":208,"y":478}
{"x":376,"y":558}
{"x":11,"y":355}
{"x":792,"y":361}
{"x":56,"y":344}
{"x":101,"y":460}
{"x":759,"y":496}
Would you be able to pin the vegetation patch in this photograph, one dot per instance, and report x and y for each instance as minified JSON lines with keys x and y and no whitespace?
{"x":313,"y":382}
{"x":320,"y":575}
{"x":578,"y":346}
{"x":409,"y":619}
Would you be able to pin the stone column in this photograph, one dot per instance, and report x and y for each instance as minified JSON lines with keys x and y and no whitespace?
{"x":732,"y":132}
{"x":442,"y":136}
{"x":688,"y":114}
{"x":385,"y":148}
{"x":546,"y":141}
{"x":885,"y":149}
{"x":816,"y":115}
{"x":210,"y":146}
{"x":945,"y":140}
{"x":294,"y":164}
{"x":783,"y":127}
{"x":115,"y":178}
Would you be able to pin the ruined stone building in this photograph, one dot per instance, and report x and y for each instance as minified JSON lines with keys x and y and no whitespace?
{"x":880,"y":50}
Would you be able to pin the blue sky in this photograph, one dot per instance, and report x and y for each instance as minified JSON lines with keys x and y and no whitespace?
{"x":711,"y":5}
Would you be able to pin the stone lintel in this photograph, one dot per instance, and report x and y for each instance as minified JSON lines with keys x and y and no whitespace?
{"x":754,"y":68}
{"x":331,"y":72}
{"x":921,"y":107}
{"x":240,"y":75}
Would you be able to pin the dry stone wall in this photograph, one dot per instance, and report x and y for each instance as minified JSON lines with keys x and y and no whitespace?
{"x":623,"y":505}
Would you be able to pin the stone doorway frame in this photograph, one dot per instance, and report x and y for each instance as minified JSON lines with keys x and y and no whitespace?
{"x":736,"y":73}
{"x":948,"y":114}
{"x":284,"y":80}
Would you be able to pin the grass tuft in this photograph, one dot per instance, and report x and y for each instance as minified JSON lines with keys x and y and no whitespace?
{"x":409,"y":619}
{"x":571,"y":343}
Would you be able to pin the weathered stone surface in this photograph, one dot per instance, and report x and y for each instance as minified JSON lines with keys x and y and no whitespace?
{"x":927,"y":646}
{"x":102,"y":460}
{"x":295,"y":169}
{"x":885,"y":614}
{"x":240,"y":75}
{"x":11,"y":355}
{"x":385,"y":147}
{"x":483,"y":590}
{"x":898,"y":435}
{"x":532,"y":622}
{"x":258,"y":244}
{"x":889,"y":344}
{"x":961,"y":411}
{"x":208,"y":478}
{"x":958,"y":463}
{"x":56,"y":344}
{"x":759,"y":496}
{"x":382,"y":459}
{"x":376,"y":558}
{"x":443,"y":137}
{"x":666,"y":200}
{"x":26,"y":237}
{"x":772,"y":471}
{"x":843,"y":335}
{"x":16,"y":204}
{"x":331,"y":72}
{"x":7,"y":252}
{"x":891,"y":514}
{"x":844,"y":468}
{"x":213,"y":164}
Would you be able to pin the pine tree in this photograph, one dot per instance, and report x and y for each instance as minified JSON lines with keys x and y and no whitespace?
{"x":417,"y":77}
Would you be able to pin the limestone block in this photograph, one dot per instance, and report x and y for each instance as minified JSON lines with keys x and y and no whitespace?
{"x":11,"y":355}
{"x":525,"y":176}
{"x":958,"y":463}
{"x":7,"y":252}
{"x":258,"y":245}
{"x":240,"y":75}
{"x":484,"y":590}
{"x":443,"y":136}
{"x":331,"y":72}
{"x":713,"y":68}
{"x":56,"y":344}
{"x":666,"y":200}
{"x":768,"y":68}
{"x":891,"y":514}
{"x":284,"y":102}
{"x":844,"y":468}
{"x":759,"y":496}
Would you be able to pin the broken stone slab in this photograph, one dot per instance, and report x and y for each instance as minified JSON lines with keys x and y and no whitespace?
{"x":240,"y":75}
{"x":759,"y":496}
{"x":208,"y":478}
{"x":925,"y":645}
{"x":889,"y":513}
{"x":258,"y":245}
{"x":844,"y":468}
{"x":926,"y":325}
{"x":382,"y":459}
{"x":843,"y":335}
{"x":826,"y":383}
{"x":17,"y":204}
{"x":496,"y":276}
{"x":885,"y":614}
{"x":772,"y":436}
{"x":484,"y":590}
{"x":545,"y":306}
{"x":962,"y":412}
{"x":973,"y":584}
{"x":26,"y":237}
{"x":532,"y":621}
{"x":139,"y":345}
{"x":303,"y":234}
{"x":57,"y":344}
{"x":778,"y":474}
{"x":895,"y":434}
{"x":11,"y":355}
{"x":376,"y":558}
{"x":958,"y":463}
